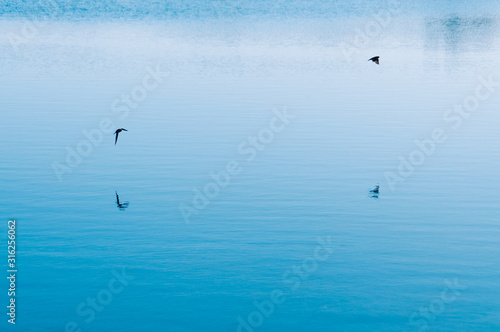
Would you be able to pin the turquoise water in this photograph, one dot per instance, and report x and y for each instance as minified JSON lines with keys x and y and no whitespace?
{"x":272,"y":109}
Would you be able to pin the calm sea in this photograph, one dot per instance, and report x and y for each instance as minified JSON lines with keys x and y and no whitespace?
{"x":239,"y":198}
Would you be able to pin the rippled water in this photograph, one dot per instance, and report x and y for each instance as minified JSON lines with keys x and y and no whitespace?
{"x":421,"y":255}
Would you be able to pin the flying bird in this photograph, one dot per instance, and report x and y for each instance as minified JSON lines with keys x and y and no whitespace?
{"x":375,"y":59}
{"x":117,"y":132}
{"x":375,"y":190}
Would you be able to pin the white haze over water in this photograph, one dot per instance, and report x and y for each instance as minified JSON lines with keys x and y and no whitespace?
{"x":235,"y":37}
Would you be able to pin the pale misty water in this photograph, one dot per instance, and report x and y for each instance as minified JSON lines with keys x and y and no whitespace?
{"x":227,"y":72}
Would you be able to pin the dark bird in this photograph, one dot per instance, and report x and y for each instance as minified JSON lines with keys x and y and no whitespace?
{"x":375,"y":59}
{"x":375,"y":190}
{"x":117,"y":132}
{"x":121,"y":206}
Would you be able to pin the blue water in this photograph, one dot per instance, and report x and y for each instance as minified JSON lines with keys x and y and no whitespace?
{"x":223,"y":71}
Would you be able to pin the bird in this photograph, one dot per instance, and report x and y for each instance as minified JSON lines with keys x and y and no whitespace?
{"x":117,"y":132}
{"x":375,"y":190}
{"x":375,"y":59}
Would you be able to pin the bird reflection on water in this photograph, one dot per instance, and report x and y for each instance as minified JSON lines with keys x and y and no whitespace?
{"x":374,"y":192}
{"x":121,"y":206}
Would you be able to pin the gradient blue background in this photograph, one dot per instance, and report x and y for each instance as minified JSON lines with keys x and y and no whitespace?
{"x":229,"y":65}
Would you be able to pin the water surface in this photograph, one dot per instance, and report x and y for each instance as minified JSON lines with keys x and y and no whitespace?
{"x":223,"y":78}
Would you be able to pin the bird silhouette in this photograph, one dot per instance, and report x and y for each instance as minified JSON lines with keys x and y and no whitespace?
{"x":375,"y":59}
{"x":117,"y":132}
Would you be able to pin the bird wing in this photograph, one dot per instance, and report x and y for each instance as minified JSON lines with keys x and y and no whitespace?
{"x":376,"y":61}
{"x":116,"y":138}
